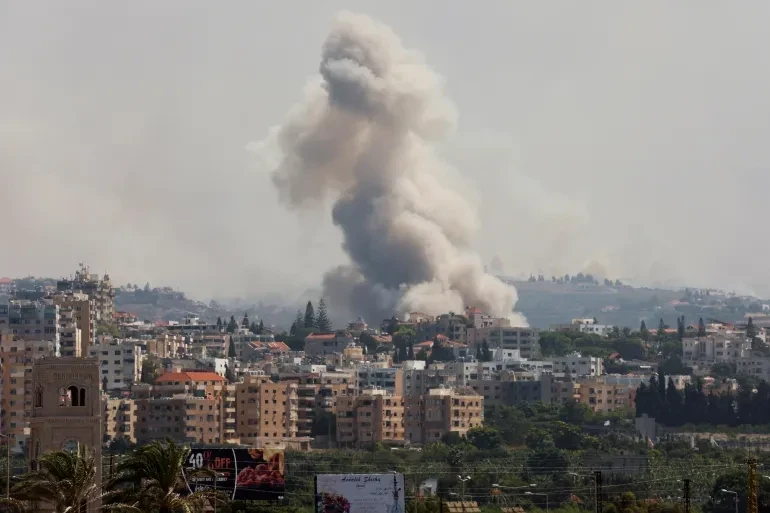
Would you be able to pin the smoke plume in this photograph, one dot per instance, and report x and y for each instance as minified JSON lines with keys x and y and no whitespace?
{"x":363,"y":138}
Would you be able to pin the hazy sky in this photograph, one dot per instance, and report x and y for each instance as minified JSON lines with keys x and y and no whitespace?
{"x":592,"y":135}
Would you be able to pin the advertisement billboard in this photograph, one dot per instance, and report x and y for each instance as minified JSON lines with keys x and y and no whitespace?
{"x":243,"y":474}
{"x":359,"y":493}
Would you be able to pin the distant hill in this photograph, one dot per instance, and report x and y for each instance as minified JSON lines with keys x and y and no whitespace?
{"x":545,"y":303}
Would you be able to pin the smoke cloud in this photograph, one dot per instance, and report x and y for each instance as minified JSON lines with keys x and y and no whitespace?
{"x":363,"y":138}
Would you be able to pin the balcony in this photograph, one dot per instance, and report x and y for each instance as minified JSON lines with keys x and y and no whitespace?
{"x":230,"y":420}
{"x":230,"y":410}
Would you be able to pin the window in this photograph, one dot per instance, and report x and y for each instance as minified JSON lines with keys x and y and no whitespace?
{"x":39,"y":397}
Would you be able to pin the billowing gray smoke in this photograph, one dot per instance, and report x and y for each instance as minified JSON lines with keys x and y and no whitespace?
{"x":362,"y":137}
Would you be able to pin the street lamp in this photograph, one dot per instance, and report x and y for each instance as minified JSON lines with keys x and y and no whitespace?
{"x":735,"y":496}
{"x":541,"y":494}
{"x":462,"y":490}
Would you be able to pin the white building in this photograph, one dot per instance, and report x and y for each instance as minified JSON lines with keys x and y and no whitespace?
{"x":120,"y":361}
{"x":714,"y":349}
{"x":576,"y":365}
{"x":526,"y":340}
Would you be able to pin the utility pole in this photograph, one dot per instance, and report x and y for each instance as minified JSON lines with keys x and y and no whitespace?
{"x":686,"y":495}
{"x":751,"y":507}
{"x":598,"y":490}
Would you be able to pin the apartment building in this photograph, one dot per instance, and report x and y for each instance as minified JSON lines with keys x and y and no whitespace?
{"x":83,"y":309}
{"x":384,"y":378}
{"x":267,"y":413}
{"x":440,"y":411}
{"x":17,"y":357}
{"x":526,"y":340}
{"x":706,"y":351}
{"x":315,"y":399}
{"x":372,"y":417}
{"x":100,"y":291}
{"x":418,"y":380}
{"x":576,"y":365}
{"x":70,"y":336}
{"x":166,"y":346}
{"x":30,"y":320}
{"x":452,"y":326}
{"x":602,"y":397}
{"x":322,"y":344}
{"x":120,"y":362}
{"x":119,"y":419}
{"x":188,"y":407}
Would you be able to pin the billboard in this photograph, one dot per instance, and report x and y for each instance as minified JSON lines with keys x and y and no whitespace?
{"x":359,"y":493}
{"x":243,"y":474}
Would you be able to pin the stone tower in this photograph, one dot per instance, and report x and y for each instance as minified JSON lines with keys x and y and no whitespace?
{"x":66,"y":408}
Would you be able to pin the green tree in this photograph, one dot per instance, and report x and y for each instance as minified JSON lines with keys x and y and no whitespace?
{"x":322,"y":321}
{"x":644,"y":333}
{"x":485,"y":352}
{"x":159,"y":467}
{"x":680,"y":326}
{"x":232,"y":326}
{"x":219,"y":323}
{"x":230,"y":374}
{"x":64,"y":481}
{"x":309,"y":321}
{"x":751,"y":331}
{"x":701,"y":328}
{"x":231,"y":349}
{"x":661,"y":330}
{"x":485,"y":438}
{"x":261,"y":327}
{"x":299,"y":322}
{"x":245,"y":321}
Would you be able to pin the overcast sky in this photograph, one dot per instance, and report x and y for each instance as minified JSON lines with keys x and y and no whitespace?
{"x":618,"y":137}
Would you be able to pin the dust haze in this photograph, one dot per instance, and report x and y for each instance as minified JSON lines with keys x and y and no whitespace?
{"x":628,"y":139}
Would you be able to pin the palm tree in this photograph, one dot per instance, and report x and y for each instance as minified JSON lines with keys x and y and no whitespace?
{"x":65,"y":481}
{"x":156,"y":472}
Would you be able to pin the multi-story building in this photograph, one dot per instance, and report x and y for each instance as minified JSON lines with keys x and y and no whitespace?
{"x":441,"y":411}
{"x":119,"y":419}
{"x":267,"y":413}
{"x":602,"y":397}
{"x":30,"y":320}
{"x":575,"y":365}
{"x":714,"y":349}
{"x":526,"y":340}
{"x":100,"y":291}
{"x":83,"y":309}
{"x":384,"y":378}
{"x":322,"y":344}
{"x":452,"y":326}
{"x":372,"y":417}
{"x":70,"y":336}
{"x":166,"y":346}
{"x":185,"y":406}
{"x":120,"y":362}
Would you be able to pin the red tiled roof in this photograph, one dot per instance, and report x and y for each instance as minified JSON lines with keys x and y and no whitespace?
{"x":321,"y":336}
{"x":5,"y":281}
{"x":427,"y":343}
{"x":278,"y":347}
{"x":171,"y":377}
{"x":383,"y":339}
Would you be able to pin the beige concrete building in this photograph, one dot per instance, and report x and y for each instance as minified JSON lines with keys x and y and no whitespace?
{"x":440,"y":411}
{"x":166,"y":346}
{"x":526,"y":340}
{"x":119,"y":419}
{"x":120,"y":362}
{"x":67,"y":412}
{"x":371,"y":417}
{"x":99,"y":290}
{"x":604,"y":397}
{"x":185,"y":406}
{"x":83,"y":309}
{"x":267,"y":413}
{"x":17,"y":357}
{"x":70,"y":336}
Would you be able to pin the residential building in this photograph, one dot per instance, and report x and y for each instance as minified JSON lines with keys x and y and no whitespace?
{"x":83,"y":309}
{"x":584,"y":326}
{"x":166,"y":346}
{"x":98,"y":290}
{"x":526,"y":340}
{"x":372,"y":417}
{"x":31,"y":320}
{"x":576,"y":365}
{"x":384,"y":378}
{"x":322,"y":344}
{"x":70,"y":336}
{"x":267,"y":413}
{"x":119,"y":419}
{"x":452,"y":326}
{"x":440,"y":411}
{"x":603,"y":397}
{"x":185,"y":406}
{"x":17,"y":356}
{"x":120,"y":362}
{"x":714,"y":349}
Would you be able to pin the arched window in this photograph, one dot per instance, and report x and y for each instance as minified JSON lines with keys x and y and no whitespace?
{"x":63,"y":397}
{"x":82,"y":397}
{"x":38,"y":397}
{"x":73,"y":396}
